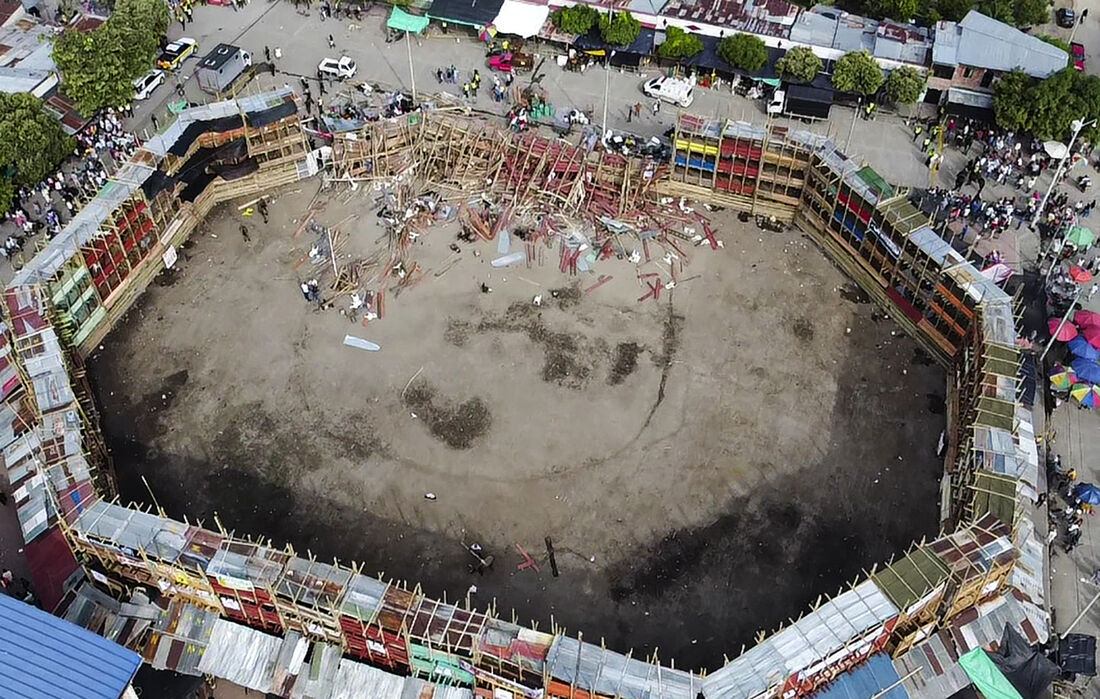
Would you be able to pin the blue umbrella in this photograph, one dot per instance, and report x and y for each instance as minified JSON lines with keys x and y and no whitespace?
{"x":1087,"y":492}
{"x":1086,"y":370}
{"x":1081,"y":348}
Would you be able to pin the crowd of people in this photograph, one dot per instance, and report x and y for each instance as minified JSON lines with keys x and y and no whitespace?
{"x":997,"y":158}
{"x":102,"y":144}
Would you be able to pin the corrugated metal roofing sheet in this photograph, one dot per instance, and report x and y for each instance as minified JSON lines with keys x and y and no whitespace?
{"x":241,"y":655}
{"x":988,"y":43}
{"x":181,"y":635}
{"x":317,"y":678}
{"x":931,"y":669}
{"x":979,"y":626}
{"x":814,"y":636}
{"x":597,"y":669}
{"x":358,"y":681}
{"x":43,"y":656}
{"x":910,"y":578}
{"x":868,"y":680}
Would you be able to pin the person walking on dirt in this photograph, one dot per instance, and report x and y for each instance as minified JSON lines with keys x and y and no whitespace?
{"x":262,"y":206}
{"x":244,"y":234}
{"x":331,"y":42}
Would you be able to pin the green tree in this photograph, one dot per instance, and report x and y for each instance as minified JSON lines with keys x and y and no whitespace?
{"x":679,"y":44}
{"x":1010,"y":96}
{"x":577,"y":19}
{"x":99,"y":67}
{"x":1051,"y":105}
{"x":904,"y":85}
{"x":903,"y":10}
{"x":31,"y":140}
{"x":1029,"y":13}
{"x":858,"y":72}
{"x":800,"y":64}
{"x":620,"y":29}
{"x":1055,"y":41}
{"x":744,"y":51}
{"x":7,"y":194}
{"x":1002,"y":10}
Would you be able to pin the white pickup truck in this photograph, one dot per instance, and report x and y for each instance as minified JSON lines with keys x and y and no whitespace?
{"x":679,"y":91}
{"x":340,"y":68}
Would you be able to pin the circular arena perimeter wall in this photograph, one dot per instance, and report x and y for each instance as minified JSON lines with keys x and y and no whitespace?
{"x":249,"y":612}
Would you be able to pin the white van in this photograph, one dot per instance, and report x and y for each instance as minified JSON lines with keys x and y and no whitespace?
{"x":339,"y":68}
{"x":680,"y":91}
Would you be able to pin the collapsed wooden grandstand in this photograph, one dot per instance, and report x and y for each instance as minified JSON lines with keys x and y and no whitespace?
{"x":276,"y":621}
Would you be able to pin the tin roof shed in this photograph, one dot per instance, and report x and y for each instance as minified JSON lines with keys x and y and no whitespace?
{"x":43,"y":656}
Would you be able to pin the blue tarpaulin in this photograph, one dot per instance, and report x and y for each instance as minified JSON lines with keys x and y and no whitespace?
{"x":43,"y":656}
{"x":867,"y":680}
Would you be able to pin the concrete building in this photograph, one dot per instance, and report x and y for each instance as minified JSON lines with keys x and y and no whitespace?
{"x":26,"y":60}
{"x":968,"y":56}
{"x":831,"y":33}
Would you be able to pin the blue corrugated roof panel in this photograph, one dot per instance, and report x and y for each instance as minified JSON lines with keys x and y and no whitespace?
{"x":871,"y":678}
{"x":45,"y":657}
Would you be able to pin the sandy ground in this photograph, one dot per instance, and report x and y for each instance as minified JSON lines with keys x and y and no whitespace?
{"x":706,"y":465}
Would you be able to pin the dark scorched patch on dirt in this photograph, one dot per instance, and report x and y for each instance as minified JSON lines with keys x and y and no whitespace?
{"x":458,"y":425}
{"x":624,"y":360}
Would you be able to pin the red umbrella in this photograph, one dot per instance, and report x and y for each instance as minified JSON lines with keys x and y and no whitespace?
{"x":1087,"y":319}
{"x":1067,"y":333}
{"x":1092,"y":335}
{"x":1079,"y":274}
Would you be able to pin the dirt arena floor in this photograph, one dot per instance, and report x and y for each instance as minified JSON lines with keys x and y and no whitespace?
{"x":706,"y":465}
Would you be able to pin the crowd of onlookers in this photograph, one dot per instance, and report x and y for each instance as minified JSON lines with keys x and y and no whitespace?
{"x":1000,"y":158}
{"x":102,"y":145}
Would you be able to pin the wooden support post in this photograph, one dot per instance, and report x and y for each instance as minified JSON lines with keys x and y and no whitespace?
{"x":553,"y":560}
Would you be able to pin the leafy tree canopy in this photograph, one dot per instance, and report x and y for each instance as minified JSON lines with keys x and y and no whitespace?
{"x":1055,"y":41}
{"x":1010,"y":97}
{"x":858,"y":72}
{"x":744,"y":51}
{"x":577,"y":19}
{"x":903,"y":10}
{"x":7,"y":194}
{"x":621,"y":29}
{"x":1020,"y":13}
{"x":1047,"y":108}
{"x":99,"y":67}
{"x":679,"y":44}
{"x":800,"y":64}
{"x":31,"y":140}
{"x":953,"y":10}
{"x":904,"y":85}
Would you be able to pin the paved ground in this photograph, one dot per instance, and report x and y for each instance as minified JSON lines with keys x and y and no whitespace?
{"x":304,"y":41}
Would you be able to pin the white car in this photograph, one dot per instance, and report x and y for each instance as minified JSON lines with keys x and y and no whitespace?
{"x":679,"y":91}
{"x":340,"y":68}
{"x":144,"y":86}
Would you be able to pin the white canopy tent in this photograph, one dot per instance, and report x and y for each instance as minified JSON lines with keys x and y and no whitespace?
{"x":521,"y":18}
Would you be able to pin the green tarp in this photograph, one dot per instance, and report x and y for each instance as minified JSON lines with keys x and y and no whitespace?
{"x":986,"y":676}
{"x":404,"y":22}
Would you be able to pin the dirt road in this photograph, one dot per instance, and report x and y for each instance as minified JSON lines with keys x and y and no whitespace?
{"x":707,"y":465}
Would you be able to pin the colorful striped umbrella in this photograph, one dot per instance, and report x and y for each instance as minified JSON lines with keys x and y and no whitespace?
{"x":1067,"y":332}
{"x":1086,"y":394}
{"x":1062,"y":377}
